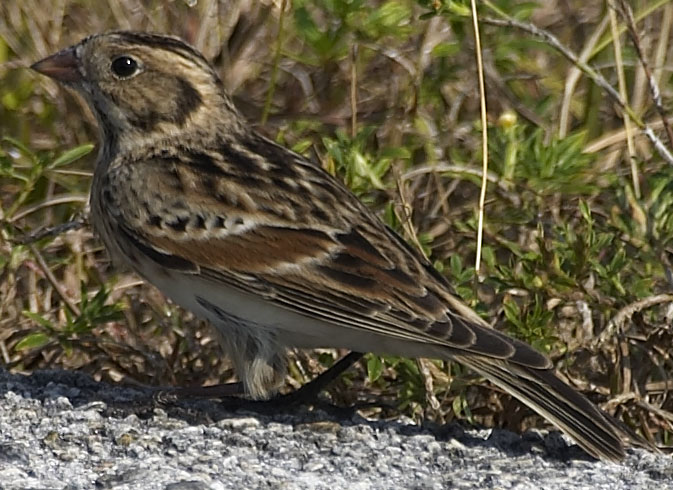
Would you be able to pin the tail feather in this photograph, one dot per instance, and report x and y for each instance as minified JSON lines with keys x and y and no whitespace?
{"x":545,"y":393}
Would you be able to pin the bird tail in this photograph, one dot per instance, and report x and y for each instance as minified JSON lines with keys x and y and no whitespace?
{"x":595,"y":431}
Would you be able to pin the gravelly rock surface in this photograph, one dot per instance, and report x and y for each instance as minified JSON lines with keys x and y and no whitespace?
{"x":61,"y":430}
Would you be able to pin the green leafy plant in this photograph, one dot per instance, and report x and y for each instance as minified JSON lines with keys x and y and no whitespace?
{"x":92,"y":312}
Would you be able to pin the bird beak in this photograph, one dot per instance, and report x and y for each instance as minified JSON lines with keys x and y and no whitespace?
{"x":62,"y":66}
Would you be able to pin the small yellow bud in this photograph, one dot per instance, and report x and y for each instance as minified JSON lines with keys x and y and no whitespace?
{"x":507,"y":119}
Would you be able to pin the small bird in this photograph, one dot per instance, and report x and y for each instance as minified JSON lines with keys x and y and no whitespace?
{"x":270,"y":248}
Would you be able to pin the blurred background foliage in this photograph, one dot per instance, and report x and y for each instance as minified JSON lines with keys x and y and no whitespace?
{"x":578,"y":227}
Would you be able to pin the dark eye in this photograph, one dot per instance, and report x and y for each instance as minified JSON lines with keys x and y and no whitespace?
{"x":124,"y":66}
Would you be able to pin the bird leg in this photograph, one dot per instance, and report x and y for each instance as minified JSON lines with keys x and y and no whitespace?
{"x":233,"y":391}
{"x":310,"y":391}
{"x":224,"y":390}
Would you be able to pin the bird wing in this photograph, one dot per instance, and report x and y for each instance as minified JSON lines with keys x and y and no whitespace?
{"x":234,"y":217}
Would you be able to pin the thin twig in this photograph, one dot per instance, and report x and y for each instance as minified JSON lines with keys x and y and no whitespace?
{"x":484,"y":135}
{"x":631,"y":148}
{"x":53,"y":201}
{"x":554,"y":42}
{"x":52,"y":231}
{"x":573,"y":77}
{"x":442,"y":166}
{"x":627,"y":13}
{"x":52,"y":280}
{"x":406,"y":211}
{"x":663,"y":42}
{"x":354,"y":90}
{"x":616,"y":323}
{"x":616,"y":137}
{"x":645,"y":11}
{"x":661,"y":413}
{"x":597,"y":78}
{"x":276,"y":61}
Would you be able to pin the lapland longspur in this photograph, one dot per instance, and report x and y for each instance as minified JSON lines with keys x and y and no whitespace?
{"x":270,"y":248}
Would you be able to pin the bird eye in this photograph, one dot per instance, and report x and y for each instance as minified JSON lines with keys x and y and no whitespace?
{"x":124,"y":66}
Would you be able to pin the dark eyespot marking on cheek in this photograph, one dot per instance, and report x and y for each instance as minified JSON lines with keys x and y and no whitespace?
{"x":187,"y":101}
{"x":168,"y":99}
{"x":175,"y":103}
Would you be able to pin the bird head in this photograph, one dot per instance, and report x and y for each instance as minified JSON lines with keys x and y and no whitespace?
{"x":143,"y":86}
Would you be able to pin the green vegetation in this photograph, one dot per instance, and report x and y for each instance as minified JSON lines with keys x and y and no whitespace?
{"x":576,"y":258}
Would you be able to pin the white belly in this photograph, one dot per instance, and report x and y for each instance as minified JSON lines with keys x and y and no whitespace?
{"x":236,"y":311}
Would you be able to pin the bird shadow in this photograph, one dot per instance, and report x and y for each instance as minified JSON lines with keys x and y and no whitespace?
{"x":121,"y":401}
